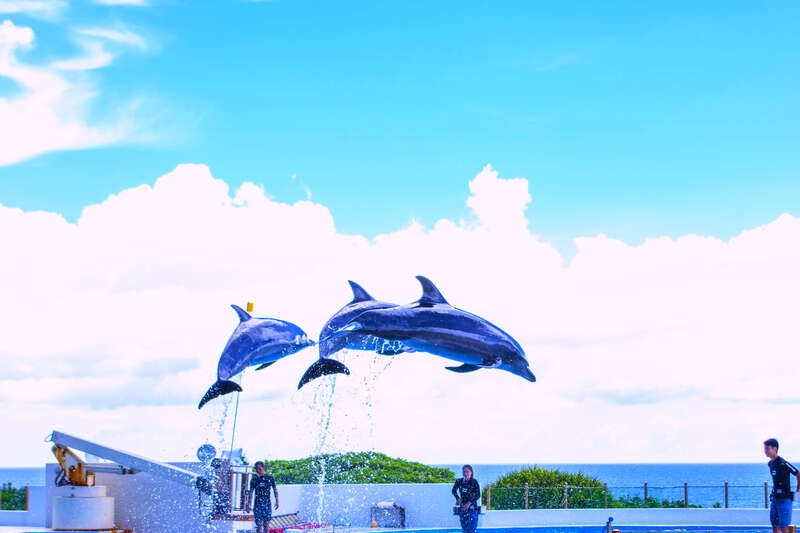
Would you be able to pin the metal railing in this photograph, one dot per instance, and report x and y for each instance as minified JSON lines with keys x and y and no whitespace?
{"x":605,"y":497}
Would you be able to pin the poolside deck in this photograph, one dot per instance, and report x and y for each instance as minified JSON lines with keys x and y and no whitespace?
{"x":33,"y":529}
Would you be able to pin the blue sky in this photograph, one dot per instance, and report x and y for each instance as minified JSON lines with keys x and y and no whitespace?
{"x":628,"y":118}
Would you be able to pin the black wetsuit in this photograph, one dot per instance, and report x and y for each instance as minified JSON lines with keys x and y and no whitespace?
{"x":468,"y":491}
{"x":262,"y":507}
{"x":781,"y":469}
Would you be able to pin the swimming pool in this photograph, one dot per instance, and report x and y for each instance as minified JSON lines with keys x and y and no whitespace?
{"x":601,"y":529}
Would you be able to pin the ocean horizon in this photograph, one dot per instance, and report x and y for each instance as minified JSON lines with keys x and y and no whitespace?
{"x":706,"y":481}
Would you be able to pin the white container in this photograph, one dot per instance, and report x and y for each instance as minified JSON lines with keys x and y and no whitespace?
{"x":82,"y":508}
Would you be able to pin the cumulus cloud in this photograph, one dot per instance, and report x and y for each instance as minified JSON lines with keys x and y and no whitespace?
{"x":659,"y":351}
{"x":50,"y":113}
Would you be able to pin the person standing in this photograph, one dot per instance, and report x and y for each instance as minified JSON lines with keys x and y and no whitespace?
{"x":780,"y":508}
{"x":260,"y":484}
{"x":467,"y":492}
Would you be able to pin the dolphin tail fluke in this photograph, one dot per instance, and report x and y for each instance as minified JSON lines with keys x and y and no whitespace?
{"x":463,"y":368}
{"x":220,"y":388}
{"x":323,"y":367}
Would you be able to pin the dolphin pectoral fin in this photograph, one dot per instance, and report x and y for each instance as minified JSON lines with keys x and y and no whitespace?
{"x":220,"y":388}
{"x":463,"y":368}
{"x":323,"y":367}
{"x":265,"y":365}
{"x":492,"y":363}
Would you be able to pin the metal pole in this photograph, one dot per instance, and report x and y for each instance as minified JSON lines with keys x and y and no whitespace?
{"x":766,"y":496}
{"x":726,"y":495}
{"x":685,"y":494}
{"x":605,"y":498}
{"x":27,"y":497}
{"x":233,"y":433}
{"x":526,"y":495}
{"x":566,"y":495}
{"x":645,"y":493}
{"x":489,"y":496}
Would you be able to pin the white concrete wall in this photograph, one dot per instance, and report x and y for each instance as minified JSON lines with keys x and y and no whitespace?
{"x":426,"y":504}
{"x":143,"y":502}
{"x":34,"y":516}
{"x":148,"y":504}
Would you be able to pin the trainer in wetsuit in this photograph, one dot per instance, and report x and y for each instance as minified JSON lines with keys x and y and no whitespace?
{"x":780,"y":508}
{"x":262,"y":509}
{"x":468,"y":494}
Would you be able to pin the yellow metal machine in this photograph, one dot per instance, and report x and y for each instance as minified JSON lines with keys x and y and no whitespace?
{"x":75,"y":471}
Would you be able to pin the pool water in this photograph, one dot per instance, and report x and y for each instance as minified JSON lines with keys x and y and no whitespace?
{"x":601,"y":529}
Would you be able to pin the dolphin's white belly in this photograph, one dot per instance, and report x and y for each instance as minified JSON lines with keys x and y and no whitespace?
{"x":446,"y":350}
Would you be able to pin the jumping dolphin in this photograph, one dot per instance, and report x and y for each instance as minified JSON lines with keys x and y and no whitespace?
{"x":432,"y":325}
{"x":354,"y":340}
{"x":255,"y":341}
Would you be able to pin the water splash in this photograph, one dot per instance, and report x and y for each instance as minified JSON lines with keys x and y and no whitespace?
{"x":341,"y":415}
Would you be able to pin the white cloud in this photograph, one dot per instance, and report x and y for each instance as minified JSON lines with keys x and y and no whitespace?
{"x":120,"y":36}
{"x":672,"y":350}
{"x":50,"y":112}
{"x":42,"y":8}
{"x":95,"y":56}
{"x":94,"y":42}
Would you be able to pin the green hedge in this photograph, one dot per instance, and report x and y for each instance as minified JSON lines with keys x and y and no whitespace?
{"x":12,"y":499}
{"x":546,"y":491}
{"x":362,"y":467}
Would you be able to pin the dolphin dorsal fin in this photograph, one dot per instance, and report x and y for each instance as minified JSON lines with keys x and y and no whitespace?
{"x":430,"y":294}
{"x":243,"y":315}
{"x":359,"y":294}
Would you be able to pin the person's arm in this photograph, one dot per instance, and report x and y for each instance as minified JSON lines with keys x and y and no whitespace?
{"x":455,"y":493}
{"x":474,"y":494}
{"x":275,"y":490}
{"x":795,"y":471}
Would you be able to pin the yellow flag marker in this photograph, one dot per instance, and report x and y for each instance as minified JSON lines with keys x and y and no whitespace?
{"x":249,"y":307}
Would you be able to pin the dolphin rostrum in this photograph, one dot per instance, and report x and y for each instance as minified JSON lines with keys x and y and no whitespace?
{"x":432,"y":325}
{"x":255,"y":341}
{"x":354,"y":340}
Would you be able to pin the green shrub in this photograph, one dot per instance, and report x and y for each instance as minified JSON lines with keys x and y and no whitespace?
{"x":362,"y":467}
{"x":546,"y":491}
{"x":12,"y":499}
